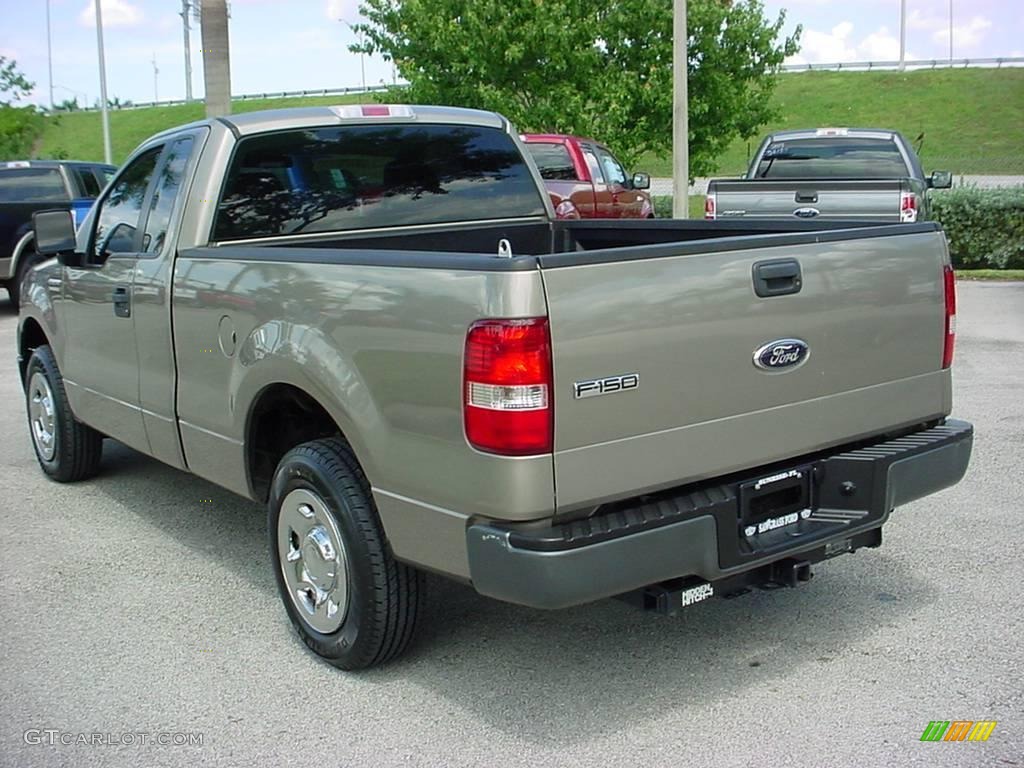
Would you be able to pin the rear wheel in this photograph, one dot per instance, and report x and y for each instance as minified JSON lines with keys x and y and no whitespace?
{"x":67,"y":449}
{"x":347,"y":597}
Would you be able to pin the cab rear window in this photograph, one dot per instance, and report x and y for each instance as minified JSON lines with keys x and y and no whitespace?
{"x":553,"y":161}
{"x":360,"y":177}
{"x":839,"y":157}
{"x":32,"y":185}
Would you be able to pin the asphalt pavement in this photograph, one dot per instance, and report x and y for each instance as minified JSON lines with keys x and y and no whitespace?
{"x":142,"y":603}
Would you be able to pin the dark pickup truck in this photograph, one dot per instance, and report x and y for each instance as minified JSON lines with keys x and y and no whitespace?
{"x":837,"y":174}
{"x":27,"y":186}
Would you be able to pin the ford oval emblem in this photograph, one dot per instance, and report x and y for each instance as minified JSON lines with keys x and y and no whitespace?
{"x":782,"y":355}
{"x":806,"y":213}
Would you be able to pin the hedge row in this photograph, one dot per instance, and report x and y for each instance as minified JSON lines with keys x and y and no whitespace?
{"x":985,"y":227}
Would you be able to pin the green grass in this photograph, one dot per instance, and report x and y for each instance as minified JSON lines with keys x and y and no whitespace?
{"x":990,"y":274}
{"x":79,"y":135}
{"x":972,"y":119}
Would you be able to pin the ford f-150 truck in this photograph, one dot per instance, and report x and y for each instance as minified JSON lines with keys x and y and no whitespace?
{"x":27,"y":186}
{"x":829,"y":173}
{"x":368,"y":319}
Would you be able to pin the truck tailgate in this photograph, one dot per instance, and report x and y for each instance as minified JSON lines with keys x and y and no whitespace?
{"x":829,"y":198}
{"x":687,"y":324}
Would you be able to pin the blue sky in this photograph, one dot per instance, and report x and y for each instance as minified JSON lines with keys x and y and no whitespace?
{"x":294,"y":44}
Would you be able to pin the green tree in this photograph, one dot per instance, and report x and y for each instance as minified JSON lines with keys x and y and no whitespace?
{"x":19,"y":126}
{"x":13,"y":85}
{"x":594,"y":67}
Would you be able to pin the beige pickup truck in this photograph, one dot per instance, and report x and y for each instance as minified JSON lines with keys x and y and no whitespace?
{"x":367,"y":319}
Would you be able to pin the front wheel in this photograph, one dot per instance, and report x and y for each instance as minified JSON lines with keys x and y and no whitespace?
{"x":67,"y":449}
{"x":350,"y":601}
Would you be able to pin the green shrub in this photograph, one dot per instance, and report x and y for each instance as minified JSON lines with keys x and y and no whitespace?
{"x":985,"y":227}
{"x":19,"y":129}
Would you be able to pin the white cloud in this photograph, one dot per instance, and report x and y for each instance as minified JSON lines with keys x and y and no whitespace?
{"x":342,"y":9}
{"x":839,"y":46}
{"x":967,"y":34}
{"x":880,"y":46}
{"x":116,"y":13}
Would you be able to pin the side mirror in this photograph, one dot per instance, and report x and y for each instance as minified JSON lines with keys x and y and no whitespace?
{"x":641,"y":181}
{"x":940,"y":180}
{"x":54,"y":232}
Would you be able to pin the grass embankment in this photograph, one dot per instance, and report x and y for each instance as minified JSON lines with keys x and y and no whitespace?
{"x":972,"y":119}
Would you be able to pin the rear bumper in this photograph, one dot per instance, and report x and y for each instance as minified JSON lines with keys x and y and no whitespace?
{"x":701,"y":531}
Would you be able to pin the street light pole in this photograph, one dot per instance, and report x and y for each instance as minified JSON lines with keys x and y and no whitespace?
{"x":107,"y":154}
{"x":903,"y":34}
{"x":188,"y":49}
{"x":680,"y":115}
{"x":156,"y":92}
{"x":951,"y":32}
{"x":362,"y":55}
{"x":49,"y":52}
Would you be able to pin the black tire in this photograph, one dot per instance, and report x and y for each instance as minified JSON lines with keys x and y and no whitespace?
{"x":383,"y":595}
{"x":77,"y":448}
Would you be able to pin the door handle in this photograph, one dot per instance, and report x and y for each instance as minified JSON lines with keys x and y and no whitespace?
{"x":806,"y":197}
{"x":779,"y":277}
{"x":122,"y":301}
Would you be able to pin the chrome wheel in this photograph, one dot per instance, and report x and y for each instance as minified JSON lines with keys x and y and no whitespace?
{"x":313,"y":560}
{"x":42,"y":416}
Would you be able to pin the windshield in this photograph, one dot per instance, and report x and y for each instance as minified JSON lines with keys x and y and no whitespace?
{"x":359,"y":177}
{"x":838,"y":157}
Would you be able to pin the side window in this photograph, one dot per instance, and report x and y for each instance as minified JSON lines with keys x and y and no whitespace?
{"x":168,"y":184}
{"x":612,"y":170}
{"x":596,"y":174}
{"x":87,"y":182}
{"x":118,"y":216}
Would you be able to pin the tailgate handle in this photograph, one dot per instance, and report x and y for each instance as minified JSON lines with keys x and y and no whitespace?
{"x":807,"y":197}
{"x":779,"y":277}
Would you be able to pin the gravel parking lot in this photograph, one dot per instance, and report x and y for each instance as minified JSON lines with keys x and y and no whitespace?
{"x":142,"y":602}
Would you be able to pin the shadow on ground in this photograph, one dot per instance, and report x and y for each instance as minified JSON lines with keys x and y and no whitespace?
{"x":560,"y":677}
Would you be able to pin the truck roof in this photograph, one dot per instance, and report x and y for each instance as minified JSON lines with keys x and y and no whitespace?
{"x":265,"y":120}
{"x":11,"y":164}
{"x":812,"y":133}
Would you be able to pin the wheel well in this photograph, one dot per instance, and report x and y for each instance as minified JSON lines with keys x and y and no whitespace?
{"x":282,"y":417}
{"x":32,"y":337}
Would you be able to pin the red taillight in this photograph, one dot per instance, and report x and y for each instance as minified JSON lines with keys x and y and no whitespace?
{"x":507,"y":386}
{"x":949,"y":281}
{"x":908,"y":207}
{"x":709,"y":207}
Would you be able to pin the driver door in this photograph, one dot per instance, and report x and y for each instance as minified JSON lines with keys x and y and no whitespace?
{"x":101,"y":366}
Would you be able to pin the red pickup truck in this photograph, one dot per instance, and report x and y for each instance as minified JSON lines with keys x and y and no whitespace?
{"x":585,"y":180}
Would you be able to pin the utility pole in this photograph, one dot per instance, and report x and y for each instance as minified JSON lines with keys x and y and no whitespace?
{"x":213,"y":25}
{"x":950,"y":32}
{"x":362,"y":56}
{"x":903,"y":34}
{"x":156,"y":92}
{"x":105,"y":115}
{"x":188,"y":49}
{"x":49,"y":52}
{"x":680,"y":115}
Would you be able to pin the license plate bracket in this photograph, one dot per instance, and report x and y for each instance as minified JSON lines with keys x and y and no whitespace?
{"x":774,"y":501}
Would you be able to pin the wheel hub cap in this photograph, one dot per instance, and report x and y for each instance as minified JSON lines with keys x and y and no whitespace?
{"x":41,"y":416}
{"x":313,"y":560}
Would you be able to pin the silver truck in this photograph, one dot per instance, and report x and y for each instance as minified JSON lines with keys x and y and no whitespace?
{"x":368,"y":319}
{"x":829,"y":173}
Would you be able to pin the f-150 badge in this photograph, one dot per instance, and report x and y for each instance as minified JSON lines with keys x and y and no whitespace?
{"x":781,"y":355}
{"x":605,"y":386}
